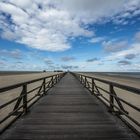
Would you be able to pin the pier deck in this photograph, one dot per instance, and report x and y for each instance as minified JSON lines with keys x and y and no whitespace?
{"x":68,"y":112}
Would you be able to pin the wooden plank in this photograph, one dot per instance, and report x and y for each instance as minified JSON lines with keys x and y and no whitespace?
{"x":68,"y":112}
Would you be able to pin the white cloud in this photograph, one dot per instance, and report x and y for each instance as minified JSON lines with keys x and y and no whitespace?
{"x":124,"y":62}
{"x":97,"y":39}
{"x":133,"y":49}
{"x":8,"y":34}
{"x":69,"y":67}
{"x":92,"y":10}
{"x":136,"y":12}
{"x":16,"y":54}
{"x":48,"y":61}
{"x":137,"y":36}
{"x":92,"y":60}
{"x":130,"y":56}
{"x":45,"y":29}
{"x":17,"y":14}
{"x":114,"y":46}
{"x":48,"y":25}
{"x":22,"y":4}
{"x":2,"y":63}
{"x":67,"y":58}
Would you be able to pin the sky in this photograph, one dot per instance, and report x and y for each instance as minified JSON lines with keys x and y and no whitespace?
{"x":75,"y":35}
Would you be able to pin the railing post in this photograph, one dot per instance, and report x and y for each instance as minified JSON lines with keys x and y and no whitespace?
{"x":111,"y":98}
{"x":58,"y":77}
{"x":85,"y":81}
{"x":93,"y":84}
{"x":52,"y":82}
{"x":44,"y":86}
{"x":25,"y":98}
{"x":81,"y":79}
{"x":55,"y":79}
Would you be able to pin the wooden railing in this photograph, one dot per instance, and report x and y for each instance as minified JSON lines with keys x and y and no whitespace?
{"x":22,"y":102}
{"x":114,"y":103}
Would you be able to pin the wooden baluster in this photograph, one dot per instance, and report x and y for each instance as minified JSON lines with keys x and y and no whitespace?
{"x":81,"y":79}
{"x":25,"y":98}
{"x":85,"y":81}
{"x":44,"y":86}
{"x":93,"y":85}
{"x":52,"y":82}
{"x":111,"y":98}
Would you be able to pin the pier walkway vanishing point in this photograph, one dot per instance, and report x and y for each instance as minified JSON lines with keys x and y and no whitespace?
{"x":68,"y":112}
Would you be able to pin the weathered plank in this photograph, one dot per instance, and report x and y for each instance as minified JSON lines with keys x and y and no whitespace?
{"x":68,"y":112}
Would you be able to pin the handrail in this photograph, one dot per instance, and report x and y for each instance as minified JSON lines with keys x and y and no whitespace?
{"x":3,"y":89}
{"x":118,"y":109}
{"x":125,"y":87}
{"x":22,"y":101}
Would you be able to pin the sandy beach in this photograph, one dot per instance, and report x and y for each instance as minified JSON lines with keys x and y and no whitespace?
{"x":7,"y":80}
{"x":11,"y":79}
{"x":129,"y":81}
{"x":127,"y":96}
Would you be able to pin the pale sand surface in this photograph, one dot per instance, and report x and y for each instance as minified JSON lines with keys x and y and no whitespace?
{"x":11,"y":94}
{"x":133,"y":82}
{"x":127,"y":96}
{"x":7,"y":80}
{"x":14,"y":79}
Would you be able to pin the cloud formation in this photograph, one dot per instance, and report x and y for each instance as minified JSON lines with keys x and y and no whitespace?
{"x":124,"y":62}
{"x":16,"y":54}
{"x":48,"y":61}
{"x":97,"y":39}
{"x":46,"y":29}
{"x":69,"y":67}
{"x":92,"y":60}
{"x":67,"y":58}
{"x":48,"y":25}
{"x":130,"y":56}
{"x":137,"y":36}
{"x":132,"y":49}
{"x":114,"y":46}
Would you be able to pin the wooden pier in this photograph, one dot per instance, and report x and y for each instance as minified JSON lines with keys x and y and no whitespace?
{"x":68,"y":112}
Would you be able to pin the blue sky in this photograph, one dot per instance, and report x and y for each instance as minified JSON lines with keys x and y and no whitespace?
{"x":81,"y":35}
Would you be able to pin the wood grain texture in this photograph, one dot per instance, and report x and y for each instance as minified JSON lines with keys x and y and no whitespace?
{"x":68,"y":112}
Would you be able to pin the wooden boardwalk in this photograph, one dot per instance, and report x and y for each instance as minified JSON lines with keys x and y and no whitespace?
{"x":68,"y":112}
